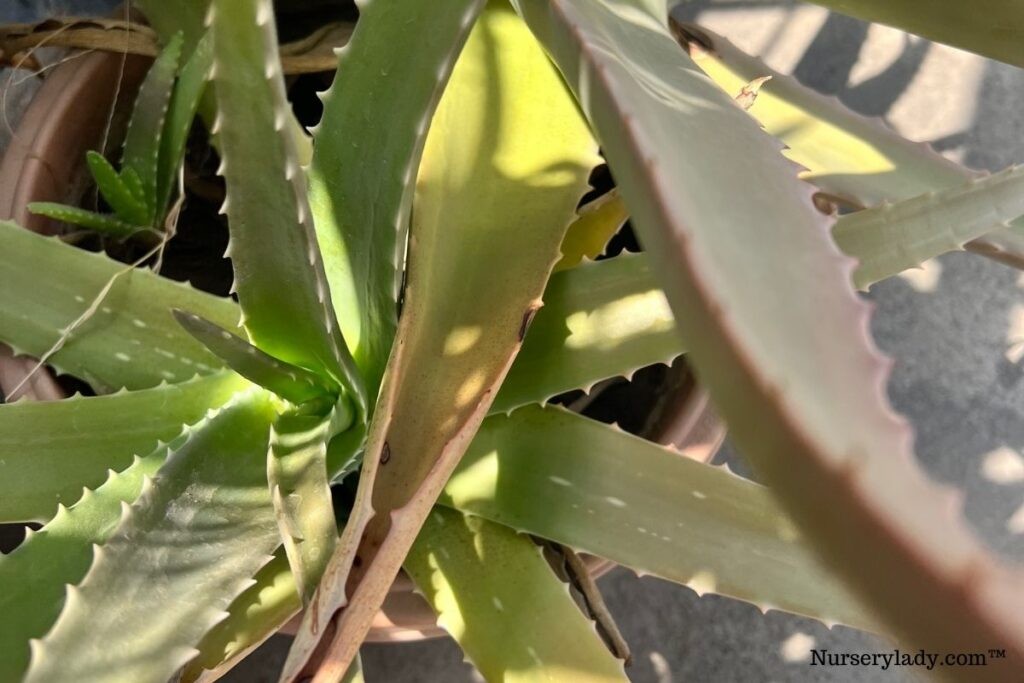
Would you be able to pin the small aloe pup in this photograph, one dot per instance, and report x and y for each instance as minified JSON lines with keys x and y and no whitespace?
{"x":411,"y":292}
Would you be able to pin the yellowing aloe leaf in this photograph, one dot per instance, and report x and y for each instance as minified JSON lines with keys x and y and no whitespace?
{"x":854,"y":158}
{"x":587,"y":237}
{"x":775,"y":330}
{"x":506,"y":160}
{"x":496,"y":595}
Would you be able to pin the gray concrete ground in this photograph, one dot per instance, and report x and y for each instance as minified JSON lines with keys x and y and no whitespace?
{"x":956,"y":330}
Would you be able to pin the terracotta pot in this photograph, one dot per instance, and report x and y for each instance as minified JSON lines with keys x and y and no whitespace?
{"x":45,"y":162}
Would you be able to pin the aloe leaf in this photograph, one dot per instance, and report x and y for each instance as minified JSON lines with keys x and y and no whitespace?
{"x":126,"y":205}
{"x":487,"y":184}
{"x":494,"y":592}
{"x":552,"y":473}
{"x":132,"y":341}
{"x":50,"y":450}
{"x":130,"y":178}
{"x":188,"y":91}
{"x":364,"y":166}
{"x":992,"y":28}
{"x":895,"y":237}
{"x":770,"y":334}
{"x":254,"y":616}
{"x":145,"y":130}
{"x":111,"y":226}
{"x":299,"y":487}
{"x":290,"y":382}
{"x":587,"y":237}
{"x":854,"y":158}
{"x":272,"y":239}
{"x":36,"y":574}
{"x":201,"y":527}
{"x":599,"y":320}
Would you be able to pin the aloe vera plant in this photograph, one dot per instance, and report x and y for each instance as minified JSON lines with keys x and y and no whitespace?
{"x":415,"y":284}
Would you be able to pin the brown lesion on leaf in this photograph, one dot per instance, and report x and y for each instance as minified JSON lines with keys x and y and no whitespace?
{"x":691,"y":38}
{"x":528,"y":316}
{"x":385,"y":453}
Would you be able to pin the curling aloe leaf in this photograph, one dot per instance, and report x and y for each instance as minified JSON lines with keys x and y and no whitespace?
{"x":272,"y":239}
{"x":993,"y":28}
{"x":895,"y":237}
{"x":504,"y":165}
{"x":364,"y":167}
{"x":299,"y":487}
{"x":210,"y":496}
{"x":119,"y":195}
{"x":496,"y":595}
{"x":145,"y":130}
{"x":50,"y":450}
{"x":290,"y":382}
{"x":131,"y":341}
{"x":853,"y":158}
{"x":767,"y":350}
{"x":111,"y":226}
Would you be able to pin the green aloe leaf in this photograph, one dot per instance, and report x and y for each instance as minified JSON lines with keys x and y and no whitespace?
{"x":364,"y":166}
{"x":854,"y":158}
{"x":130,"y":178}
{"x":993,"y":28}
{"x":300,"y":489}
{"x":272,"y":239}
{"x":111,"y":226}
{"x":494,"y":592}
{"x":599,"y":320}
{"x":770,"y":334}
{"x":50,"y":450}
{"x":254,"y":616}
{"x":555,"y":474}
{"x":487,"y":184}
{"x":126,"y":205}
{"x":201,"y":527}
{"x":35,"y":576}
{"x":131,"y":341}
{"x":894,"y":237}
{"x":290,"y":382}
{"x":188,"y":91}
{"x":145,"y":130}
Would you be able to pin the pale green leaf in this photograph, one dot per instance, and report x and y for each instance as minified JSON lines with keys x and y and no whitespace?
{"x":272,"y":239}
{"x":773,"y":327}
{"x":587,"y":237}
{"x":496,"y":595}
{"x":131,"y":341}
{"x":50,"y":450}
{"x":202,"y":526}
{"x":367,"y":151}
{"x":894,"y":237}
